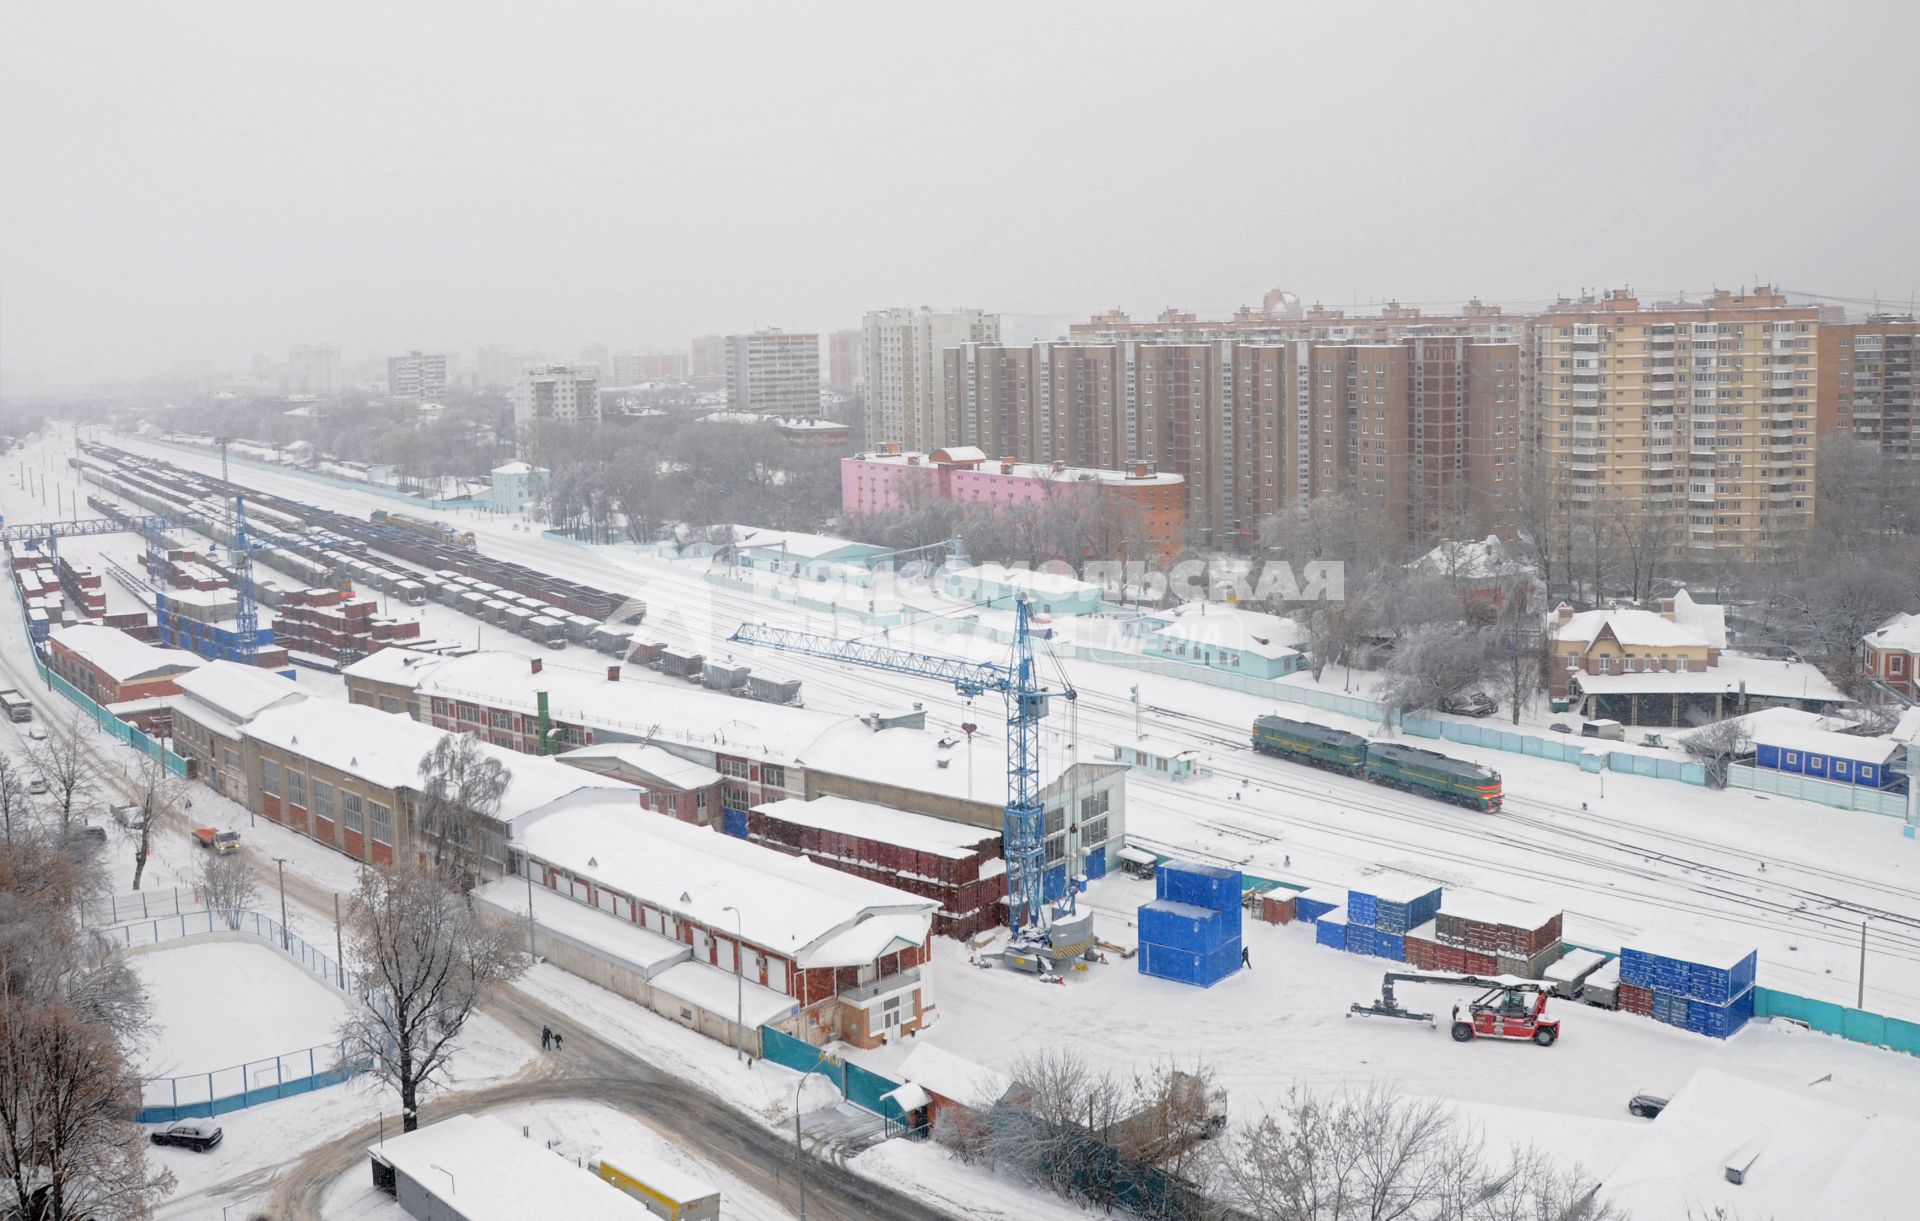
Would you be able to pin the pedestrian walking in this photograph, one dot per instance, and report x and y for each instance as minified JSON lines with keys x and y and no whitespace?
{"x":556,"y":1040}
{"x":1246,"y":959}
{"x":546,"y":1038}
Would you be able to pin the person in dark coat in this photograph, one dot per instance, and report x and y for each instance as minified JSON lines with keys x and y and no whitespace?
{"x":1246,"y":959}
{"x":546,"y":1037}
{"x":556,"y":1040}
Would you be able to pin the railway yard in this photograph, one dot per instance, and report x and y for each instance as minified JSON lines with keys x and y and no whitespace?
{"x":1818,"y":894}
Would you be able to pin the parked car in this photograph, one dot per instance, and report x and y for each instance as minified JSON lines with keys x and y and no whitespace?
{"x":88,"y":831}
{"x":196,"y":1134}
{"x":37,"y":734}
{"x":1472,"y":703}
{"x":37,"y":786}
{"x":1561,"y":727}
{"x":1646,"y":1106}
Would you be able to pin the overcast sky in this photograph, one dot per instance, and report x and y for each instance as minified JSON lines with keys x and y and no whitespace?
{"x":186,"y":180}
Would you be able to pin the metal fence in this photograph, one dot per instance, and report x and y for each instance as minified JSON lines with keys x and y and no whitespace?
{"x":300,"y":1071}
{"x":108,"y":722}
{"x":862,"y":1087}
{"x":1807,"y":788}
{"x":139,"y":905}
{"x":1854,"y":1025}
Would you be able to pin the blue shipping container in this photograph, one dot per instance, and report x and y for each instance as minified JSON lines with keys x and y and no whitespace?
{"x":1310,"y":910}
{"x":1189,"y":966}
{"x":1362,"y":908}
{"x":1718,"y":985}
{"x":1390,"y":945}
{"x":1331,"y":931}
{"x":1201,"y":885}
{"x":1186,"y":927}
{"x":1720,"y":1021}
{"x":1670,"y":1009}
{"x":1360,"y":939}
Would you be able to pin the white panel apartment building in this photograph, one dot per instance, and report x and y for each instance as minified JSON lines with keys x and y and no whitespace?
{"x":906,"y":387}
{"x":568,"y":393}
{"x":775,"y":373}
{"x":417,"y":375}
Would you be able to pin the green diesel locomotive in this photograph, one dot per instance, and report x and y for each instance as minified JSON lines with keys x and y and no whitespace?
{"x":1409,"y":768}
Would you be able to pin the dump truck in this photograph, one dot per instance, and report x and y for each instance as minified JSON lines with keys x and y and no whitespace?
{"x":222,"y":842}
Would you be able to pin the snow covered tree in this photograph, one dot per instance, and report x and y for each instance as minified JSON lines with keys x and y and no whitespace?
{"x":1436,"y":662}
{"x":227,"y":884}
{"x":16,"y":804}
{"x":1716,"y":746}
{"x":158,"y":793}
{"x":429,"y":958}
{"x":461,"y":787}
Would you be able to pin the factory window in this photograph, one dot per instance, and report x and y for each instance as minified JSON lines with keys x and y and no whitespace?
{"x":350,"y":817}
{"x":382,"y":828}
{"x":269,"y":777}
{"x":296,"y":788}
{"x":323,"y":800}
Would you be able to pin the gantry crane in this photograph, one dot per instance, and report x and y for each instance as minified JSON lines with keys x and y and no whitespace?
{"x":1023,"y":840}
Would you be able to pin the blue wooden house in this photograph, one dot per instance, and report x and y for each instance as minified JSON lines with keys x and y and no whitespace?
{"x":1825,"y":755}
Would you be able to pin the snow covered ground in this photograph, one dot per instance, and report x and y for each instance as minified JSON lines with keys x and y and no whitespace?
{"x":1622,"y":855}
{"x":217,"y":1004}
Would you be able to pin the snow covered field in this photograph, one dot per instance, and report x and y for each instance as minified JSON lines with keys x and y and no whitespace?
{"x":1622,"y":855}
{"x":221,"y":1003}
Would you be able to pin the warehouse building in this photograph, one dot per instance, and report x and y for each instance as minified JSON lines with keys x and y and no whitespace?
{"x":477,"y":1168}
{"x":716,"y":933}
{"x":215,"y":703}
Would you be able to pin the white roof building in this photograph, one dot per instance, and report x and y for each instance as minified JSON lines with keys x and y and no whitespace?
{"x":224,"y":695}
{"x":816,"y":916}
{"x":121,"y":657}
{"x":866,"y":820}
{"x":1898,"y":634}
{"x":1254,"y":632}
{"x":477,"y":1168}
{"x":939,"y":1071}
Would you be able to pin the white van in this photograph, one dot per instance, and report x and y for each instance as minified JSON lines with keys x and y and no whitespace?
{"x":1603,"y":729}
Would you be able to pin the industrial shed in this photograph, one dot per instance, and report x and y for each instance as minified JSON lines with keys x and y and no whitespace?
{"x":476,"y":1168}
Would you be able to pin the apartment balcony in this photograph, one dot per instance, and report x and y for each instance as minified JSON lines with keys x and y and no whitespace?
{"x":897,"y":982}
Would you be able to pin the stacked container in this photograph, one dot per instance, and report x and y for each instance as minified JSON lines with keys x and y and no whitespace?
{"x":1380,"y":917}
{"x":1474,"y":935}
{"x":1702,"y":988}
{"x":1191,"y":931}
{"x":1317,"y":901}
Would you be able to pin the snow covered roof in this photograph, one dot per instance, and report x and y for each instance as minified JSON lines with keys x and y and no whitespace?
{"x":867,"y":820}
{"x":1229,"y":627}
{"x":952,"y":1077}
{"x":1630,"y":627}
{"x":233,"y":694}
{"x":786,"y":904}
{"x":1707,"y":619}
{"x":1908,"y":730}
{"x":1857,"y":747}
{"x":385,"y":749}
{"x":601,"y":931}
{"x":513,"y":468}
{"x":121,"y":657}
{"x":1040,"y":584}
{"x":1397,"y":887}
{"x":481,"y":1169}
{"x":660,"y":765}
{"x":708,"y":987}
{"x":1806,"y":1152}
{"x":795,"y":543}
{"x":1762,"y":676}
{"x":1902,"y":633}
{"x":1477,"y":560}
{"x":1496,"y":909}
{"x":1686,"y":947}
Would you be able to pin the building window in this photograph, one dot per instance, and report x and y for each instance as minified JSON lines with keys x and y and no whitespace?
{"x":269,"y":777}
{"x":350,"y":811}
{"x":774,"y":775}
{"x":1896,"y":664}
{"x":440,"y":707}
{"x":736,"y":768}
{"x":296,"y":788}
{"x":382,"y":829}
{"x":733,"y":797}
{"x":322,"y":800}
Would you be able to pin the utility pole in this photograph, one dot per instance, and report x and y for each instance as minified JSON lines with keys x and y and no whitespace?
{"x":526,"y":865}
{"x":339,"y":942}
{"x":286,"y":938}
{"x":1860,"y":999}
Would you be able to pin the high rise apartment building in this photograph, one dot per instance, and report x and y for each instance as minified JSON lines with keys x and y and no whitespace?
{"x":1867,"y":383}
{"x":906,"y":399}
{"x":633,"y":368}
{"x":313,"y":368}
{"x":774,"y":373}
{"x":562,"y":393}
{"x":1426,"y":429}
{"x":417,"y":375}
{"x":707,"y":359}
{"x":846,"y":359}
{"x":1695,"y":423}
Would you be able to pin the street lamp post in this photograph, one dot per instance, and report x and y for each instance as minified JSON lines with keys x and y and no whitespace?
{"x":286,"y":942}
{"x":739,"y":984}
{"x":799,"y":1154}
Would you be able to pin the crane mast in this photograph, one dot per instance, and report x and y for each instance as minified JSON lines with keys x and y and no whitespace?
{"x":1023,"y":833}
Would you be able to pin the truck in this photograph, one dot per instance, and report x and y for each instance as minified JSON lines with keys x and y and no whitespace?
{"x":15,"y":705}
{"x":219,"y":842}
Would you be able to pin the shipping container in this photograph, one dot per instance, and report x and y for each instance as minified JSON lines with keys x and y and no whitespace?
{"x":1317,"y":901}
{"x":1635,"y":999}
{"x":1187,"y":927}
{"x":1570,"y":971}
{"x":1389,"y":945}
{"x":1276,"y":909}
{"x":1330,"y":930}
{"x":1362,"y":908}
{"x":1201,"y":885}
{"x":1190,"y":966}
{"x":1360,"y":939}
{"x":1720,"y":1021}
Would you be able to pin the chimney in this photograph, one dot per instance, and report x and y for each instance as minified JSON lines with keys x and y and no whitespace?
{"x":1666,"y":609}
{"x":613,"y":674}
{"x":536,"y":665}
{"x":1059,"y":464}
{"x":1563,"y":613}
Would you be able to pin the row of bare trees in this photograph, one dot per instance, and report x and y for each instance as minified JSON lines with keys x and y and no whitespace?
{"x":1158,"y":1142}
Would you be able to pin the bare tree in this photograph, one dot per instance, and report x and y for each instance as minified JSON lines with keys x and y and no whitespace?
{"x":158,"y":793}
{"x":67,"y":766}
{"x":16,"y":805}
{"x":1521,"y":647}
{"x":1370,"y":1155}
{"x":68,"y":1145}
{"x":461,"y":788}
{"x":430,"y":957}
{"x":1716,"y":746}
{"x":227,"y":885}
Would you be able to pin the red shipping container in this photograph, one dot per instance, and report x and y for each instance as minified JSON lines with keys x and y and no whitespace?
{"x":1450,"y":958}
{"x":1634,"y":999}
{"x":1474,"y":963}
{"x":1277,"y":910}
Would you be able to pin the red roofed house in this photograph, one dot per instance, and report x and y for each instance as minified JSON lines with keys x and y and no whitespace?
{"x":1890,"y":654}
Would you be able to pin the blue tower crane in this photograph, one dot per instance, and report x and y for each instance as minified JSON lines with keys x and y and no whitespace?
{"x":1024,"y":832}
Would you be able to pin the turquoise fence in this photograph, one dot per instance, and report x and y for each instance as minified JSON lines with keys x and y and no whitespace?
{"x":862,"y":1087}
{"x":1854,"y":1025}
{"x":1825,"y":792}
{"x":237,"y":1086}
{"x":1660,"y":769}
{"x":110,"y":723}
